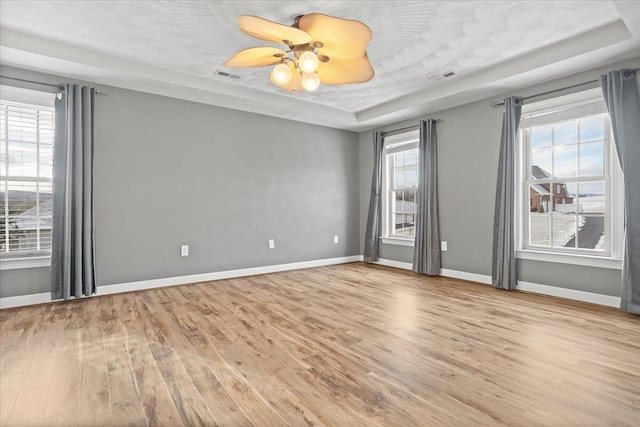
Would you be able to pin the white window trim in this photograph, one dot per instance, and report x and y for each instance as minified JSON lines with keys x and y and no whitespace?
{"x":393,"y":144}
{"x":398,"y":241}
{"x":569,"y":258}
{"x":614,"y":222}
{"x":25,"y":262}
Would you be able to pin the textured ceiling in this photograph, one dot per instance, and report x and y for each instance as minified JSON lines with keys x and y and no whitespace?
{"x":413,"y":40}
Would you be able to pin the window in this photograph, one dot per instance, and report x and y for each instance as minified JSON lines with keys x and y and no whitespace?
{"x":26,"y":172}
{"x":569,"y":180}
{"x":400,"y":183}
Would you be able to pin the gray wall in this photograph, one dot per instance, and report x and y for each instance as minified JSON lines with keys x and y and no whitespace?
{"x":171,"y":172}
{"x":468,"y":142}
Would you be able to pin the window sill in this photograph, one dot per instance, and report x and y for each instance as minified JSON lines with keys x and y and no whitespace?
{"x":586,"y":260}
{"x":396,"y":241}
{"x":27,"y":262}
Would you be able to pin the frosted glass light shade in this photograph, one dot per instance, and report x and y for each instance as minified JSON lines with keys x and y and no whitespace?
{"x":308,"y":62}
{"x":310,"y":81}
{"x":281,"y":73}
{"x":293,"y":85}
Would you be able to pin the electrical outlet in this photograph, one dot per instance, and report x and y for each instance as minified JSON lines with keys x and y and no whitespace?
{"x":335,"y":239}
{"x":443,"y":246}
{"x":184,"y":250}
{"x":272,"y":244}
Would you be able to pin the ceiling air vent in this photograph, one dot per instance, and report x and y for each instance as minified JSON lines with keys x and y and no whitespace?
{"x":225,"y":74}
{"x":442,"y":75}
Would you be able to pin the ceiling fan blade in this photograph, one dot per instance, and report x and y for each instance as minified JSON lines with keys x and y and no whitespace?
{"x":295,"y":84}
{"x":255,"y":57}
{"x":270,"y":31}
{"x":342,"y":38}
{"x":342,"y":71}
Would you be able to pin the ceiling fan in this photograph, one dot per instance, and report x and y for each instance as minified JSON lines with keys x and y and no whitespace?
{"x":321,"y":48}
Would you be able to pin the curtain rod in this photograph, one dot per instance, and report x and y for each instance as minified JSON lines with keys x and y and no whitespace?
{"x":41,"y":83}
{"x":405,"y":129}
{"x":499,"y":104}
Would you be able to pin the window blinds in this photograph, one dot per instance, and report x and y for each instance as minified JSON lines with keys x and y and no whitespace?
{"x":564,"y":113}
{"x":26,"y":172}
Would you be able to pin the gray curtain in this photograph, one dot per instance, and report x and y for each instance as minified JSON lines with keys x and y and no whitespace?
{"x":73,"y":246}
{"x":372,"y":236}
{"x":426,"y":251}
{"x":621,"y":96}
{"x":504,"y":238}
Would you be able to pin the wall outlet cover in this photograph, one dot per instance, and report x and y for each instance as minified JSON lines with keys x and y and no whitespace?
{"x":272,"y":244}
{"x":336,"y":239}
{"x":184,"y":250}
{"x":443,"y":246}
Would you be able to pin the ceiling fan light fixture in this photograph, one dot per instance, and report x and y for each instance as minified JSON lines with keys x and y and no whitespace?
{"x":308,"y":62}
{"x":281,"y":73}
{"x":320,"y":49}
{"x":310,"y":81}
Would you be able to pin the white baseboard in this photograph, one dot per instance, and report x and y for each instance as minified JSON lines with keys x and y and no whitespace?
{"x":480,"y":278}
{"x":572,"y":294}
{"x":473,"y":277}
{"x":23,"y":300}
{"x":555,"y":291}
{"x":219,"y":275}
{"x":394,"y":264}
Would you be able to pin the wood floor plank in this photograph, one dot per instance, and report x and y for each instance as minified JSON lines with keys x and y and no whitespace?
{"x":63,"y":419}
{"x":156,"y":400}
{"x":29,"y":407}
{"x":126,"y":405}
{"x":94,"y":404}
{"x":43,"y":364}
{"x":264,"y":383}
{"x":171,"y":354}
{"x":352,"y":344}
{"x":244,"y":393}
{"x":225,"y":410}
{"x":67,"y":374}
{"x":325,"y":406}
{"x":17,"y":360}
{"x":462,"y":413}
{"x":8,"y":396}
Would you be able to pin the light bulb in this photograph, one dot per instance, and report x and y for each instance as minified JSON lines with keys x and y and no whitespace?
{"x":308,"y":62}
{"x":310,"y":81}
{"x":281,"y":73}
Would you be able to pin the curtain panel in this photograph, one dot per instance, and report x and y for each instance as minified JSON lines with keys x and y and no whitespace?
{"x":372,"y":232}
{"x":426,"y":250}
{"x":73,"y":244}
{"x":620,"y":92}
{"x":504,"y":229}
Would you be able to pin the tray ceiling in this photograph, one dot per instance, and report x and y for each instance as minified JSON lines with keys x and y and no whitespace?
{"x":414,"y":43}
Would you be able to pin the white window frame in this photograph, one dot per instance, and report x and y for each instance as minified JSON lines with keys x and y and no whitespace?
{"x":37,"y":99}
{"x":394,"y":144}
{"x":614,"y":203}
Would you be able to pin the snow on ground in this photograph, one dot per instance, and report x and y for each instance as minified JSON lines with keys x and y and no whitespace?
{"x":564,"y":228}
{"x":591,"y":204}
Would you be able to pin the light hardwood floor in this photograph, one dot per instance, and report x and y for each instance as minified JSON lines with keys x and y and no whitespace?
{"x":344,"y":345}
